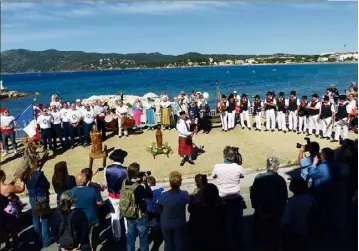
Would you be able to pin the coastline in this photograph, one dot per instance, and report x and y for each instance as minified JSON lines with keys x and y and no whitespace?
{"x":179,"y":67}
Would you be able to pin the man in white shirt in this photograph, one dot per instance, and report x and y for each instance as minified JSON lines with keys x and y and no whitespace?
{"x":88,"y":117}
{"x":74,"y":119}
{"x":314,"y":108}
{"x":56,"y":128}
{"x":183,"y":101}
{"x":244,"y":112}
{"x":100,"y":112}
{"x":65,"y":123}
{"x":121,"y":113}
{"x":342,"y":118}
{"x":7,"y":124}
{"x":292,"y":105}
{"x":44,"y":121}
{"x":326,"y":116}
{"x":270,"y":107}
{"x":185,"y":145}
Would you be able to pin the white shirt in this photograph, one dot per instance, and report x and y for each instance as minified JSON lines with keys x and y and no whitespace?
{"x":55,"y":103}
{"x":287,"y":101}
{"x":183,"y":101}
{"x":100,"y":111}
{"x":228,"y":178}
{"x":7,"y":122}
{"x":317,"y":105}
{"x":352,"y":104}
{"x":56,"y":117}
{"x":182,"y":129}
{"x":121,"y":111}
{"x":74,"y":116}
{"x":45,"y":120}
{"x":64,"y":114}
{"x":88,"y":116}
{"x":80,"y":108}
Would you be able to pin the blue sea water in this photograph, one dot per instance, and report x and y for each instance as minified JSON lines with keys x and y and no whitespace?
{"x":252,"y":80}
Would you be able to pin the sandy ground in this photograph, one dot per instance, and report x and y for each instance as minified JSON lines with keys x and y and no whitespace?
{"x":254,"y":146}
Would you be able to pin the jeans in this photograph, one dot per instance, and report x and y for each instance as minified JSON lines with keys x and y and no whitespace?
{"x":46,"y":137}
{"x":137,"y":227}
{"x":87,"y":130}
{"x":101,"y":127}
{"x":174,"y":238}
{"x":66,"y":129}
{"x":57,"y":134}
{"x":73,"y":132}
{"x":41,"y":225}
{"x":5,"y":137}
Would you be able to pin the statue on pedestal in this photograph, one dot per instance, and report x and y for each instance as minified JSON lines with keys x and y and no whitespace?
{"x":96,"y":141}
{"x":159,"y":138}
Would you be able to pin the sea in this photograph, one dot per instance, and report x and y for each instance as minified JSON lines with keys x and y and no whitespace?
{"x":305,"y":79}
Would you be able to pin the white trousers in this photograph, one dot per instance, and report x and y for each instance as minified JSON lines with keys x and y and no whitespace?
{"x":326,"y":129}
{"x":115,"y":218}
{"x":313,"y":124}
{"x":292,"y":119}
{"x":282,"y":124}
{"x":224,"y":122}
{"x":231,"y":119}
{"x":302,"y":124}
{"x":270,"y":119}
{"x":120,"y":121}
{"x":341,"y":125}
{"x":257,"y":118}
{"x":244,"y":115}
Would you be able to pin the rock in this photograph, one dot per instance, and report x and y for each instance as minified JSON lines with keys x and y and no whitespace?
{"x":12,"y":94}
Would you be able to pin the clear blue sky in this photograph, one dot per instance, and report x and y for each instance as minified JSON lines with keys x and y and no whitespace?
{"x":180,"y":27}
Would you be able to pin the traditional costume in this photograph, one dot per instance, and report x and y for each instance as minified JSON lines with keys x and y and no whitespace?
{"x":204,"y":116}
{"x":165,"y":113}
{"x":121,"y":113}
{"x":238,"y":103}
{"x":257,"y":112}
{"x":314,"y":108}
{"x":7,"y":124}
{"x":88,"y":117}
{"x":185,"y":145}
{"x":183,"y":101}
{"x":65,"y":123}
{"x":270,"y":106}
{"x":342,"y":118}
{"x":150,"y":115}
{"x":100,"y":112}
{"x":281,"y":112}
{"x":137,"y":112}
{"x":222,"y":109}
{"x":193,"y":112}
{"x":74,"y":116}
{"x":303,"y":113}
{"x":292,"y":106}
{"x":231,"y":111}
{"x":244,"y":112}
{"x":326,"y":116}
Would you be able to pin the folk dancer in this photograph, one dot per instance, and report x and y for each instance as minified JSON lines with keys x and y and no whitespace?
{"x":44,"y":121}
{"x":56,"y":127}
{"x":222,"y":109}
{"x":281,"y":112}
{"x":166,"y":113}
{"x":303,"y":114}
{"x":237,"y":99}
{"x":100,"y":112}
{"x":231,"y":112}
{"x":257,"y":112}
{"x":326,"y":117}
{"x":244,"y":112}
{"x":342,"y":118}
{"x":183,"y":101}
{"x":193,"y":96}
{"x":292,"y":107}
{"x":335,"y":92}
{"x":7,"y":124}
{"x":65,"y":123}
{"x":150,"y":114}
{"x":193,"y":112}
{"x":74,"y":116}
{"x":185,"y":145}
{"x":354,"y":105}
{"x":204,"y":113}
{"x":314,"y":108}
{"x":115,"y":174}
{"x":270,"y":106}
{"x":121,"y":113}
{"x":137,"y":110}
{"x":88,"y":117}
{"x":175,"y":111}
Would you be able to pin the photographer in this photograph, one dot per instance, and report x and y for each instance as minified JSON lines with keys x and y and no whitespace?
{"x":133,"y":206}
{"x":312,"y":147}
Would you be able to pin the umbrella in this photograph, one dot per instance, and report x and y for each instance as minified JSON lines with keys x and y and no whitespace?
{"x":150,"y":95}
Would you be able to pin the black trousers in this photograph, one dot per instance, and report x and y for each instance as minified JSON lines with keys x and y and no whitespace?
{"x":101,"y":127}
{"x":57,"y":134}
{"x":46,"y":137}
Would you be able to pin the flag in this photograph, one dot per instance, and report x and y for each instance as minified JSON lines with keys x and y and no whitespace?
{"x":27,"y":122}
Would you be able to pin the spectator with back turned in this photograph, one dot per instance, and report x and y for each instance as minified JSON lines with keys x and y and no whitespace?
{"x":61,"y":180}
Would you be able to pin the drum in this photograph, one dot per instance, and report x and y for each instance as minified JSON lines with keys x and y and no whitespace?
{"x":129,"y":122}
{"x":108,"y":118}
{"x":111,"y":123}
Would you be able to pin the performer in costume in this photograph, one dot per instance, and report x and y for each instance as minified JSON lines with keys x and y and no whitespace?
{"x":204,"y":116}
{"x":292,"y":106}
{"x":303,"y":114}
{"x":244,"y":112}
{"x":44,"y":121}
{"x":257,"y":112}
{"x":74,"y":116}
{"x":150,"y":114}
{"x":121,"y":113}
{"x":281,"y":112}
{"x":137,"y":112}
{"x":175,"y":111}
{"x":313,"y":108}
{"x":342,"y":118}
{"x":270,"y":106}
{"x":8,"y":125}
{"x":237,"y":99}
{"x":56,"y":127}
{"x":193,"y":112}
{"x":185,"y":145}
{"x":88,"y":117}
{"x":231,"y":112}
{"x":183,"y":101}
{"x":222,"y":109}
{"x":166,"y":113}
{"x":326,"y":116}
{"x":100,"y":112}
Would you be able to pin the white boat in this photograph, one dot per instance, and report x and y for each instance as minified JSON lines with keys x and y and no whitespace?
{"x":1,"y":86}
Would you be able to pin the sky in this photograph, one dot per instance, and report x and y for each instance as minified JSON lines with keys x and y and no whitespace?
{"x":178,"y":27}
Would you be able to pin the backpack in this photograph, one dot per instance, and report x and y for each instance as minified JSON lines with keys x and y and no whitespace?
{"x":68,"y":238}
{"x":127,"y":206}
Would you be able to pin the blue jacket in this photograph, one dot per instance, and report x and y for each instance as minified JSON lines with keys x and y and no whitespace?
{"x":115,"y":175}
{"x":37,"y":185}
{"x":319,"y":174}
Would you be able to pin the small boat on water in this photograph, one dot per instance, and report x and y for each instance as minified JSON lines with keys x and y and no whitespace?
{"x":2,"y":88}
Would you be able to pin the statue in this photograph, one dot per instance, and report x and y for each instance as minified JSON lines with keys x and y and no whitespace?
{"x":159,"y":138}
{"x":96,"y":140}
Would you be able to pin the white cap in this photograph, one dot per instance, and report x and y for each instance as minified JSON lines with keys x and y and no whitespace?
{"x":78,"y":100}
{"x":235,"y":92}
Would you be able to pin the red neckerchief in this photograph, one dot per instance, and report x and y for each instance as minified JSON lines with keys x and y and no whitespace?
{"x":244,"y":101}
{"x":280,"y":101}
{"x":269,"y":100}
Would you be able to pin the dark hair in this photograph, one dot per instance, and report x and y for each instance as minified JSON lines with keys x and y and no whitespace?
{"x":60,"y":175}
{"x":329,"y":153}
{"x":88,"y":173}
{"x":151,"y":181}
{"x":198,"y":180}
{"x":133,"y":171}
{"x":2,"y":175}
{"x":314,"y":147}
{"x":232,"y":155}
{"x":210,"y":194}
{"x":64,"y":205}
{"x":298,"y":186}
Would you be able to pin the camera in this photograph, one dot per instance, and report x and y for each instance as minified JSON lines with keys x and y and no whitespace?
{"x":306,"y":146}
{"x":237,"y":156}
{"x":141,"y":175}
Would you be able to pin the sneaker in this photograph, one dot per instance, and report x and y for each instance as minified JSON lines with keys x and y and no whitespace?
{"x":249,"y":128}
{"x":273,"y":130}
{"x":14,"y":154}
{"x":182,"y":163}
{"x":4,"y":154}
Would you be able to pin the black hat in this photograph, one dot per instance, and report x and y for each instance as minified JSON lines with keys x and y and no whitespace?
{"x":281,"y":94}
{"x":223,"y":96}
{"x":293,"y":93}
{"x":342,"y":97}
{"x":118,"y":155}
{"x":315,"y":95}
{"x":270,"y":93}
{"x":182,"y":113}
{"x":304,"y":97}
{"x":326,"y":98}
{"x":244,"y":95}
{"x":257,"y":96}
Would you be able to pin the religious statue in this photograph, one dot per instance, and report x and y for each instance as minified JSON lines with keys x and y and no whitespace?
{"x":159,"y":138}
{"x":96,"y":140}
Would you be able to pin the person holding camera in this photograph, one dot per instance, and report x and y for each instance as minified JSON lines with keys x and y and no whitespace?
{"x":133,"y":206}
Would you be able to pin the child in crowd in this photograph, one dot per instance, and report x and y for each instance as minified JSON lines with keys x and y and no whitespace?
{"x":155,"y":234}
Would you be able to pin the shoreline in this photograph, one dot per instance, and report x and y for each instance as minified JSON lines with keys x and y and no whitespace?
{"x":178,"y":67}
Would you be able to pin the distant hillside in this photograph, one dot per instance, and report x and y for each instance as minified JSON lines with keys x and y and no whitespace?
{"x":20,"y":60}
